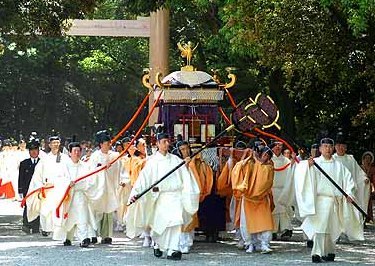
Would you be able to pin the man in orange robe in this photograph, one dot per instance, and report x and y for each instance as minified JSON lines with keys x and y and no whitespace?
{"x":257,"y":205}
{"x":131,"y":165}
{"x":237,"y":179}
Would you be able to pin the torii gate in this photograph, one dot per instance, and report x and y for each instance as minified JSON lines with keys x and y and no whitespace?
{"x":155,"y":27}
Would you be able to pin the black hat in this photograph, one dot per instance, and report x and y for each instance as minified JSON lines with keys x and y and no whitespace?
{"x":126,"y":139}
{"x":52,"y":138}
{"x":181,"y":142}
{"x":315,"y":146}
{"x":33,"y":144}
{"x":340,"y":138}
{"x":140,"y":140}
{"x":267,"y":150}
{"x":160,"y":136}
{"x":240,"y":145}
{"x":118,"y":143}
{"x":102,"y":136}
{"x":327,"y":141}
{"x":7,"y":142}
{"x":160,"y":133}
{"x":74,"y":144}
{"x":273,"y":143}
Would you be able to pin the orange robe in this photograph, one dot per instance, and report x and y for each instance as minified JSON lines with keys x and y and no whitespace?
{"x":204,"y":176}
{"x":257,"y":198}
{"x":239,"y":172}
{"x":133,"y":166}
{"x":224,"y":183}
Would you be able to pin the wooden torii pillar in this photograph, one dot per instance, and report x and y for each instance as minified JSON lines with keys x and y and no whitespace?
{"x":155,"y":27}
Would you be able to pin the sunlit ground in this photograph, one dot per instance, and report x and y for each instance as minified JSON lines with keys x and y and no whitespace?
{"x":17,"y":248}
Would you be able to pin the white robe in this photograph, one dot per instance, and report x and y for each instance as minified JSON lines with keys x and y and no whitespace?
{"x":47,"y":172}
{"x":174,"y":203}
{"x":78,"y":208}
{"x":362,"y":189}
{"x":9,"y":172}
{"x":283,"y":193}
{"x":324,"y":208}
{"x":103,"y":194}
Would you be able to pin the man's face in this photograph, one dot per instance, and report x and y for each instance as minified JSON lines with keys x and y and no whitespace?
{"x":105,"y":146}
{"x":75,"y":154}
{"x":185,"y":151}
{"x":141,"y":147}
{"x":341,"y":149}
{"x":131,"y":148}
{"x":314,"y":152}
{"x":367,"y":159}
{"x":119,"y":148}
{"x":277,"y":149}
{"x":83,"y":145}
{"x":163,"y":145}
{"x":34,"y":153}
{"x":264,"y":157}
{"x":326,"y":150}
{"x":54,"y":145}
{"x":287,"y":153}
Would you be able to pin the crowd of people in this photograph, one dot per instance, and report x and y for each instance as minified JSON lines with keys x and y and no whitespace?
{"x":78,"y":191}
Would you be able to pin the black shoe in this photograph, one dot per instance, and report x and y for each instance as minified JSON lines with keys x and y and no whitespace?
{"x":176,"y":255}
{"x":309,"y":243}
{"x":35,"y":231}
{"x":316,"y":259}
{"x":274,"y":236}
{"x":94,"y":240}
{"x":26,"y":230}
{"x":67,"y":243}
{"x":44,"y":233}
{"x":107,"y":240}
{"x":329,"y":257}
{"x":158,"y":253}
{"x":286,"y":235}
{"x":85,"y":243}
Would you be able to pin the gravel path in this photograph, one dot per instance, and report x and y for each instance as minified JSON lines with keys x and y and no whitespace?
{"x":17,"y":248}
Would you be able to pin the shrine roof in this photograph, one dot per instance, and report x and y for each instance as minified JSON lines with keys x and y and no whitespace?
{"x":190,"y":79}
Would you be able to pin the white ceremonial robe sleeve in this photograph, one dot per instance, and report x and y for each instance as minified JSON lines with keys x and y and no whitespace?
{"x":139,"y":214}
{"x":33,"y":203}
{"x":305,"y":189}
{"x":190,"y":191}
{"x":350,"y":218}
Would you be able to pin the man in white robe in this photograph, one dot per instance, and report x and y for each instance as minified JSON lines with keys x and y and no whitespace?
{"x":361,"y":181}
{"x":325,"y":210}
{"x":105,"y":183}
{"x":168,"y":206}
{"x":283,"y":192}
{"x":76,"y":215}
{"x":48,"y":171}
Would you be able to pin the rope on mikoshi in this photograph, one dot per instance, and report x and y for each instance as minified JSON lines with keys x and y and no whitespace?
{"x":131,"y":121}
{"x":41,"y":189}
{"x":277,"y":138}
{"x":114,"y":160}
{"x":282,"y":168}
{"x":231,"y":99}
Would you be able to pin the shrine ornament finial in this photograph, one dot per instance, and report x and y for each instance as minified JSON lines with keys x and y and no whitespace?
{"x":187,"y":51}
